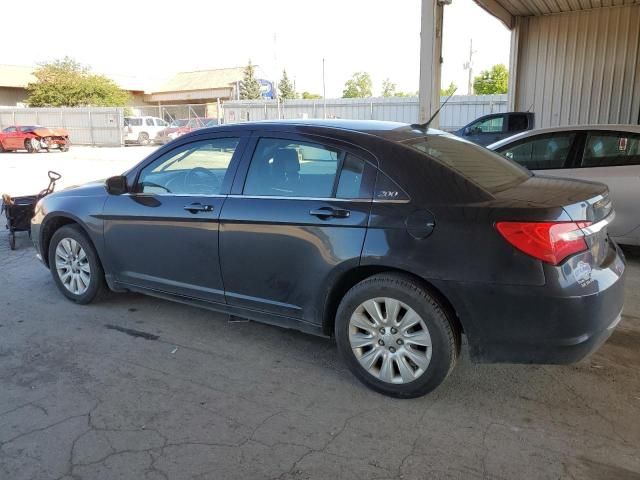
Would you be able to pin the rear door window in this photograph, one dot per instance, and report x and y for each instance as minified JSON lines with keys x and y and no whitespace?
{"x":300,"y":169}
{"x":287,"y":168}
{"x":542,"y":152}
{"x":149,"y":122}
{"x":518,"y":122}
{"x":609,"y":149}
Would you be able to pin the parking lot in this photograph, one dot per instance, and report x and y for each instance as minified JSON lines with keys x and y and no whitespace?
{"x":137,"y":387}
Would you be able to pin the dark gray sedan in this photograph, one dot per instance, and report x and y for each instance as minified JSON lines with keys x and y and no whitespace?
{"x":392,"y":238}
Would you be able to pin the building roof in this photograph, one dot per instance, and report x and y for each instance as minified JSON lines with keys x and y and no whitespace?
{"x":506,"y":10}
{"x":16,"y":76}
{"x":202,"y":80}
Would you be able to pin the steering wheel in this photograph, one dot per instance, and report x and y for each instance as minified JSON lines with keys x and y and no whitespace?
{"x":201,"y":180}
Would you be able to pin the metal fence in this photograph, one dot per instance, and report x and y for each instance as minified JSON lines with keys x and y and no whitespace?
{"x":459,"y":111}
{"x":170,"y":113}
{"x":97,"y":126}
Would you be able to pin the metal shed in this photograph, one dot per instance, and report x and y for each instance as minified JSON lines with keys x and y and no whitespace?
{"x":572,"y":61}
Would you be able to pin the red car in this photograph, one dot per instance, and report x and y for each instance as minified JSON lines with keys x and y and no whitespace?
{"x":179,"y":127}
{"x":33,"y":138}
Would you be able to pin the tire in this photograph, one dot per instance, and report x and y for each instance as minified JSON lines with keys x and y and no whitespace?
{"x":80,"y":290}
{"x":143,"y":138}
{"x":64,"y":148}
{"x":31,"y":146}
{"x":394,"y":345}
{"x":2,"y":150}
{"x":12,"y":240}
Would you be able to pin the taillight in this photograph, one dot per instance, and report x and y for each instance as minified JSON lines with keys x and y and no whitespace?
{"x":550,"y":242}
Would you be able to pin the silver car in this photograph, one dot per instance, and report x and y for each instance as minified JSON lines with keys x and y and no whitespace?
{"x":605,"y":153}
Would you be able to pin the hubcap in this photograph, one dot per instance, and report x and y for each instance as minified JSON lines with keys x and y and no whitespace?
{"x":390,"y":340}
{"x":72,"y":266}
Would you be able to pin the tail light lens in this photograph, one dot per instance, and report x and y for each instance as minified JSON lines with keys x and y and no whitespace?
{"x":550,"y":242}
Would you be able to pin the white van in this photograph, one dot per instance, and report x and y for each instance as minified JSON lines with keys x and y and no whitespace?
{"x":142,"y":130}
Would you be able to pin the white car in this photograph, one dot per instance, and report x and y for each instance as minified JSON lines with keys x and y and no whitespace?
{"x":609,"y":154}
{"x":142,"y":130}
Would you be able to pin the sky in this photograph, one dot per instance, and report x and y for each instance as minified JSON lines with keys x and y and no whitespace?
{"x":151,"y":40}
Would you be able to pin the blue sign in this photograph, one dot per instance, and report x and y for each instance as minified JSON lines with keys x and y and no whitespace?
{"x":266,"y":88}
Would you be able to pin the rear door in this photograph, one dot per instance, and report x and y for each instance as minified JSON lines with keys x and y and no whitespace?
{"x":296,"y":218}
{"x":613,"y":158}
{"x":163,"y":236}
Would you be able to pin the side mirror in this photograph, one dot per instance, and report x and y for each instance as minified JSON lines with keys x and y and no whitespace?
{"x":467,"y":131}
{"x":116,"y":185}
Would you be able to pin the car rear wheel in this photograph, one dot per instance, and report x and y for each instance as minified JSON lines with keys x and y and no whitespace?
{"x":2,"y":150}
{"x":143,"y":138}
{"x":395,"y":336}
{"x":75,"y":266}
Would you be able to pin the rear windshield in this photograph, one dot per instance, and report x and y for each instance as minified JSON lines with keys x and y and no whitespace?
{"x":134,"y":122}
{"x":488,"y":170}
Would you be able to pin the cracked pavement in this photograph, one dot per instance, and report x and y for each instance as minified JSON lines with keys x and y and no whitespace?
{"x":213,"y":399}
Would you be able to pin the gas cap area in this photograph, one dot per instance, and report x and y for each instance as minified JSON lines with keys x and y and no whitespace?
{"x":420,"y":224}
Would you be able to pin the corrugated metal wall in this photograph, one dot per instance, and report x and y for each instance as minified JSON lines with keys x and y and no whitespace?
{"x":460,"y":110}
{"x":86,"y":126}
{"x":580,"y":67}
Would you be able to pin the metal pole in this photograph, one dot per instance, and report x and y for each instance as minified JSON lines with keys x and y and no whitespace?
{"x":324,"y":92}
{"x":218,"y":109}
{"x":91,"y":128}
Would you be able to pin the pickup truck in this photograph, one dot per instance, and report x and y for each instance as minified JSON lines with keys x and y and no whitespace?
{"x":496,"y":126}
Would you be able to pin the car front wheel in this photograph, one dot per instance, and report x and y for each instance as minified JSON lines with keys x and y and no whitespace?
{"x":75,"y":266}
{"x":395,"y":336}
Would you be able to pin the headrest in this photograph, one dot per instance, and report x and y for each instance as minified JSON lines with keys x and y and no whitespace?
{"x":286,"y":160}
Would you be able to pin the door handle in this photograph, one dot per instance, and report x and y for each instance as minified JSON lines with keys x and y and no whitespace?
{"x":198,"y":207}
{"x":326,"y":212}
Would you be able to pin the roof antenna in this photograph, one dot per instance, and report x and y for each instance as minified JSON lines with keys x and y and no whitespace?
{"x":529,"y":109}
{"x":425,"y":126}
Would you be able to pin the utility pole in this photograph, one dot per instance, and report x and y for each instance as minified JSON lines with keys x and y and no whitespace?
{"x":469,"y":66}
{"x":324,"y":92}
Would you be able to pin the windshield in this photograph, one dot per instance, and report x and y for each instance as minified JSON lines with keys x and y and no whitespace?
{"x":488,"y":170}
{"x":179,"y":123}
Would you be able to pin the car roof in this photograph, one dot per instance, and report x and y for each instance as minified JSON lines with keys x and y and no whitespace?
{"x":394,"y":131}
{"x":568,"y":128}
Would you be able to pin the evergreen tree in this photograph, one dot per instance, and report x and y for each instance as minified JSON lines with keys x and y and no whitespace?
{"x":287,"y":91}
{"x":250,"y":86}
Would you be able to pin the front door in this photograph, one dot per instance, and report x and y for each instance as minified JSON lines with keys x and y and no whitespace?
{"x":297,"y":218}
{"x":163,"y":235}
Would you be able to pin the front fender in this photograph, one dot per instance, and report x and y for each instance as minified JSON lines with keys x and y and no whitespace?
{"x":53,"y":212}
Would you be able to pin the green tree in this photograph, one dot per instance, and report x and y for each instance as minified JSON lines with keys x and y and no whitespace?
{"x":358,"y":86}
{"x":67,"y":83}
{"x":250,"y":86}
{"x":285,"y":86}
{"x":492,"y":81}
{"x":310,"y":96}
{"x":445,"y":92}
{"x":389,"y":88}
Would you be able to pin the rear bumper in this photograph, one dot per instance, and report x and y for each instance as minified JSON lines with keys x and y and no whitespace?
{"x":561,"y":322}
